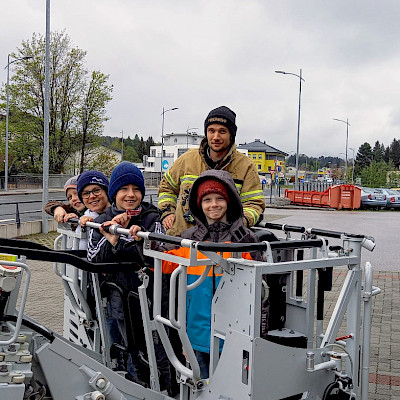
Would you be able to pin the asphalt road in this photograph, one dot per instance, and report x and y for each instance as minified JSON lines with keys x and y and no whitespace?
{"x":383,"y":226}
{"x":29,"y":206}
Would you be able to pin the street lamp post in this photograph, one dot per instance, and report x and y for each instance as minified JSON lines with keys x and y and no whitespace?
{"x":296,"y":183}
{"x":352,"y":171}
{"x":340,"y":168}
{"x":162,"y":137}
{"x":7,"y":112}
{"x":122,"y":145}
{"x":347,"y":140}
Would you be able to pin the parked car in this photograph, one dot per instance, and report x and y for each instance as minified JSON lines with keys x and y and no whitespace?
{"x":371,"y":198}
{"x":392,"y":198}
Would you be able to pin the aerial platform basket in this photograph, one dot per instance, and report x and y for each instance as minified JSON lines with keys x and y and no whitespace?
{"x":310,"y":355}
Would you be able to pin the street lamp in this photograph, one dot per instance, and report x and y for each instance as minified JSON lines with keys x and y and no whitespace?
{"x":340,"y":168}
{"x":347,"y":140}
{"x":162,"y":136}
{"x":296,"y":182}
{"x":7,"y":112}
{"x":122,"y":145}
{"x":352,"y":171}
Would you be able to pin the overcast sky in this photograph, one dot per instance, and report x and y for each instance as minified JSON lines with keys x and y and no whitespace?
{"x":198,"y":55}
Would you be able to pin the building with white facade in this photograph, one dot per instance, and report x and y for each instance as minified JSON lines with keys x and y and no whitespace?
{"x":175,"y":144}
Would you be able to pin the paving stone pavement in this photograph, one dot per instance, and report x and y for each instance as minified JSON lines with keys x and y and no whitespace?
{"x":45,"y":304}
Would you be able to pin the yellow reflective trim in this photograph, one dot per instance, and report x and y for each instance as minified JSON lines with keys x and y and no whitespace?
{"x":166,"y":201}
{"x":188,"y":178}
{"x":167,"y":197}
{"x":252,"y":192}
{"x":253,"y":213}
{"x":168,"y":177}
{"x":246,"y":199}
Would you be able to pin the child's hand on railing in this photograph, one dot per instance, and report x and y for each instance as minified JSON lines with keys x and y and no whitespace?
{"x":85,"y":219}
{"x":113,"y":239}
{"x":69,"y":216}
{"x":121,"y":219}
{"x":59,"y":214}
{"x":133,"y":230}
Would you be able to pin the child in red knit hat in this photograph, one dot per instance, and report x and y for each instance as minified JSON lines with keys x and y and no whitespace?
{"x":215,"y":206}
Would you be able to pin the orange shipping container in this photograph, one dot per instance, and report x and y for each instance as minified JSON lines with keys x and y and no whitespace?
{"x":337,"y":196}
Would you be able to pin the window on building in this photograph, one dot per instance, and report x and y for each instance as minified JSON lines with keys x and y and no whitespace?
{"x":153,"y":152}
{"x":259,"y":166}
{"x":254,"y":156}
{"x":260,"y":156}
{"x":181,"y":151}
{"x":175,"y":140}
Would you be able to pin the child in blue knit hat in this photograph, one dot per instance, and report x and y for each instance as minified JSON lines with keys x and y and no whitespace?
{"x":126,"y":191}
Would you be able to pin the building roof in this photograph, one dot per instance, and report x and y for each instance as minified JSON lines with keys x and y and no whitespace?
{"x":258,"y":146}
{"x":183,"y":134}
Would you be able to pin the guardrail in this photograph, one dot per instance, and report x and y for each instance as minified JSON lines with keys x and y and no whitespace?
{"x":150,"y":198}
{"x":18,"y":213}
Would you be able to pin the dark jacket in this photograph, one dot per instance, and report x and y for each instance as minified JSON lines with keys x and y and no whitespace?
{"x":127,"y":249}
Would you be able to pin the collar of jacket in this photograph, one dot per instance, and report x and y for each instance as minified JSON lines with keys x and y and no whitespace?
{"x":234,"y":232}
{"x":222,"y":163}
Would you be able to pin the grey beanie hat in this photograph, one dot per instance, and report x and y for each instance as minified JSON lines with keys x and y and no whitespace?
{"x":71,"y":183}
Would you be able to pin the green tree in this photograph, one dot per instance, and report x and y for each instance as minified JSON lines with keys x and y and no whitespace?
{"x":378,"y":154}
{"x":116,"y":144}
{"x":104,"y":162}
{"x":374,"y":175}
{"x":136,"y":141}
{"x":149,"y":143}
{"x":363,"y":158}
{"x":394,"y":152}
{"x":93,"y":110}
{"x":24,"y":130}
{"x":71,"y":99}
{"x":131,"y":155}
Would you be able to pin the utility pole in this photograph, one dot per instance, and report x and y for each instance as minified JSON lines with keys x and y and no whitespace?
{"x":122,"y":145}
{"x":45,"y":196}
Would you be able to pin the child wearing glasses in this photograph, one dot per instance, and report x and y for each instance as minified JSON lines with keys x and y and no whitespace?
{"x":126,"y":191}
{"x":92,"y":188}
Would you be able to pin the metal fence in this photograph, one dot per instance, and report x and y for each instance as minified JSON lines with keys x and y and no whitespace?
{"x":35,"y":181}
{"x":317,"y":186}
